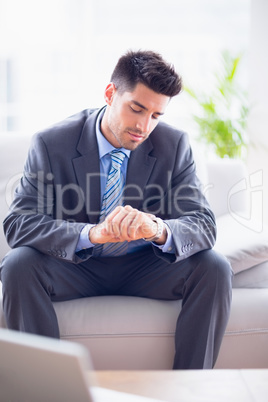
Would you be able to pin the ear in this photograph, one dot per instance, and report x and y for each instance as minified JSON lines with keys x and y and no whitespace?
{"x":109,"y":93}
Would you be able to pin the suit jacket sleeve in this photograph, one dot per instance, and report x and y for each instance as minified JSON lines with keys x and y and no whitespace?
{"x":35,"y":218}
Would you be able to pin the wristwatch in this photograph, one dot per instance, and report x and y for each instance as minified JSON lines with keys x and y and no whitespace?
{"x":159,"y":232}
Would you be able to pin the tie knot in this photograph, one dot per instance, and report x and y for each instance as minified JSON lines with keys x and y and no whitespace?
{"x":117,"y":158}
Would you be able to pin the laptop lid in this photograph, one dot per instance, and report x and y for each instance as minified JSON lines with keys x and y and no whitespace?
{"x":40,"y":369}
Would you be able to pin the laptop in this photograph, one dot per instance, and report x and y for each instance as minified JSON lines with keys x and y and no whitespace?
{"x":40,"y":369}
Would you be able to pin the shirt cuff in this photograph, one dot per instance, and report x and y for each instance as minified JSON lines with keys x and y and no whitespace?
{"x":84,"y":241}
{"x":168,"y":246}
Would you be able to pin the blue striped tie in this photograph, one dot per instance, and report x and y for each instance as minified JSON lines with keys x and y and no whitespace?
{"x":112,"y":198}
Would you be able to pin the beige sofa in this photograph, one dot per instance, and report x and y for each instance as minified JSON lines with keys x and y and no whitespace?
{"x":136,"y":333}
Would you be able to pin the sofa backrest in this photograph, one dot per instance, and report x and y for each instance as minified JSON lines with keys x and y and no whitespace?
{"x":227,"y":187}
{"x":13,"y":152}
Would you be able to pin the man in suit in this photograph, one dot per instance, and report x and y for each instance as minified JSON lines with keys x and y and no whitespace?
{"x":72,"y":238}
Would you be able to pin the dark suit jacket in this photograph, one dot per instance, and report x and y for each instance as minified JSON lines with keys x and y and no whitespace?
{"x":60,"y":190}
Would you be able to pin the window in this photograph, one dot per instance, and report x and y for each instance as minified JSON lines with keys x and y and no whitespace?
{"x":57,"y":57}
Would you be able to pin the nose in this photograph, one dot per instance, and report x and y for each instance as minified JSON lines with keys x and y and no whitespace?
{"x":144,"y":124}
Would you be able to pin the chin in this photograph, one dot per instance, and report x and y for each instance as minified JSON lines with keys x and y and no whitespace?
{"x":132,"y":146}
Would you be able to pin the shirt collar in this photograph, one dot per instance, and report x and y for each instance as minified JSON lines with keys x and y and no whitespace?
{"x":104,"y":146}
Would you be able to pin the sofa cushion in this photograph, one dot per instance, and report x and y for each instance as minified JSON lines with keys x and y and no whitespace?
{"x":122,"y":332}
{"x":243,"y":246}
{"x":255,"y":277}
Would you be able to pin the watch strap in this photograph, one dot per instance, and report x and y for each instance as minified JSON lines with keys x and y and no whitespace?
{"x":159,"y":232}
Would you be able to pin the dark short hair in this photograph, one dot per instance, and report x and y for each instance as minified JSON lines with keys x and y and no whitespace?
{"x":148,"y":68}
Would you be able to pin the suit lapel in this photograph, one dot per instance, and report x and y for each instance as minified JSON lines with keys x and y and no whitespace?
{"x":87,"y":168}
{"x":140,"y":166}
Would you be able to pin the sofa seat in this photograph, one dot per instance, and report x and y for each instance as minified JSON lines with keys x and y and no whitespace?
{"x":134,"y":333}
{"x":130,"y":333}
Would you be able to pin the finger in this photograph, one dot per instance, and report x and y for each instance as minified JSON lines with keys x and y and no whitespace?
{"x":135,"y":224}
{"x":114,"y":212}
{"x":114,"y":220}
{"x":151,"y":216}
{"x":143,"y":226}
{"x":127,"y":227}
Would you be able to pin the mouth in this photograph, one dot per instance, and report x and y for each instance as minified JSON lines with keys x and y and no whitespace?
{"x":136,"y":137}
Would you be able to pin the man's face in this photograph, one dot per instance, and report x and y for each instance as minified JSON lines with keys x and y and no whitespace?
{"x":130,"y":117}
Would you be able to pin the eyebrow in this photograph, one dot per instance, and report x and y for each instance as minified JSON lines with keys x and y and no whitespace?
{"x":145,"y":108}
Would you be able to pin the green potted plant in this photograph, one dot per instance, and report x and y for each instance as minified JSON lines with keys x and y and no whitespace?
{"x":222,"y":115}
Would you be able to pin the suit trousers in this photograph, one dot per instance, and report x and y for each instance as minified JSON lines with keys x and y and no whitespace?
{"x":32,"y":281}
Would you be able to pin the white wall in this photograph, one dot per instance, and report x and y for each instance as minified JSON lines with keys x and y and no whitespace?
{"x":258,"y":125}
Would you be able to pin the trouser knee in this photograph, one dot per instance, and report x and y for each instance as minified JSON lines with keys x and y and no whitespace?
{"x":216,"y":267}
{"x":18,"y":265}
